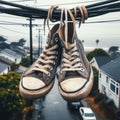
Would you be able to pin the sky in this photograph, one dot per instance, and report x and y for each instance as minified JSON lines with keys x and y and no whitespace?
{"x":107,"y":33}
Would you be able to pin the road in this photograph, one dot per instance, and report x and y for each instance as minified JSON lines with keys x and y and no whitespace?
{"x":54,"y":107}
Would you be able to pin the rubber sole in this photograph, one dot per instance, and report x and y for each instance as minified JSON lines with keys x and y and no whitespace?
{"x":79,"y":95}
{"x":36,"y":93}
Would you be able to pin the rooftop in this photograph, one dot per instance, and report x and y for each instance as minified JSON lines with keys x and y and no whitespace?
{"x":5,"y":60}
{"x":101,"y":60}
{"x":9,"y":52}
{"x":112,"y":69}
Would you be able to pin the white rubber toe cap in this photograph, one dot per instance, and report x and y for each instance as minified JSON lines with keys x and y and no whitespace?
{"x":32,"y":83}
{"x":71,"y":85}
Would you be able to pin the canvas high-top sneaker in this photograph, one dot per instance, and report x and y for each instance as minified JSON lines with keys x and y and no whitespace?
{"x":38,"y":80}
{"x":76,"y":76}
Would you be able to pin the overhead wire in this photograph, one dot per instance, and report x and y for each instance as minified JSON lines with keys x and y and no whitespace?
{"x":72,"y":3}
{"x":42,"y":13}
{"x":24,"y":24}
{"x":13,"y":30}
{"x":96,"y":9}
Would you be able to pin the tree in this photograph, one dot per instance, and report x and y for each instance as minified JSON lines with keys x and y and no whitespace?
{"x":113,"y":49}
{"x":22,"y":42}
{"x":14,"y":66}
{"x":83,"y":41}
{"x":3,"y":45}
{"x":95,"y":84}
{"x":97,"y":41}
{"x":25,"y":61}
{"x":14,"y":44}
{"x":96,"y":52}
{"x":2,"y":39}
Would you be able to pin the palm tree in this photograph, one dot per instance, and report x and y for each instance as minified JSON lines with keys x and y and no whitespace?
{"x":83,"y":41}
{"x":97,"y":42}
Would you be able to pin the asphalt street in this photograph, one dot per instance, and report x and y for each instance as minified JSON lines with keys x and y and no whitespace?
{"x":54,"y":107}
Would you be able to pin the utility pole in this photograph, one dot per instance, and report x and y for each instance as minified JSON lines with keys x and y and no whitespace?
{"x":39,"y":45}
{"x":30,"y":36}
{"x":31,"y":47}
{"x":39,"y":41}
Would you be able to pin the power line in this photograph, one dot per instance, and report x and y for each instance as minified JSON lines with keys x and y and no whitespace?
{"x":15,"y":23}
{"x":23,"y":24}
{"x":95,"y":9}
{"x":104,"y":21}
{"x":13,"y":30}
{"x":21,"y":0}
{"x":72,"y":3}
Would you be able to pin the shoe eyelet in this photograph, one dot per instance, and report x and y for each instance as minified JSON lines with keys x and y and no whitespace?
{"x":80,"y":64}
{"x":82,"y":69}
{"x":56,"y":39}
{"x":48,"y":74}
{"x":51,"y":68}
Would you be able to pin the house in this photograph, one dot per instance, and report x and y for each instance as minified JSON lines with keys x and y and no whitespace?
{"x":6,"y":60}
{"x":98,"y":61}
{"x":109,"y":81}
{"x":11,"y":55}
{"x":4,"y":68}
{"x":5,"y":65}
{"x":20,"y":50}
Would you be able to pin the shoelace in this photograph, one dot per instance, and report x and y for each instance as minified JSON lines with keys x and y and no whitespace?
{"x":71,"y":60}
{"x":49,"y":55}
{"x":46,"y":60}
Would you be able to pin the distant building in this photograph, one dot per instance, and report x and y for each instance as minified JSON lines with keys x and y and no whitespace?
{"x":20,"y":50}
{"x":11,"y":55}
{"x":98,"y":61}
{"x":4,"y":68}
{"x":5,"y":65}
{"x":6,"y":60}
{"x":109,"y":80}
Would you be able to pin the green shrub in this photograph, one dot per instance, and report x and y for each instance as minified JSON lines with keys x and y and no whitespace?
{"x":95,"y":83}
{"x":25,"y":61}
{"x":14,"y":66}
{"x":96,"y":52}
{"x":10,"y":100}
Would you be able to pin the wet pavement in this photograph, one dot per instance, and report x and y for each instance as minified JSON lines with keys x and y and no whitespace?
{"x":54,"y":107}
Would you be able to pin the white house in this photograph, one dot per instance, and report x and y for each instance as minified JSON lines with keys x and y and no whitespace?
{"x":4,"y":68}
{"x":109,"y":80}
{"x":98,"y":61}
{"x":11,"y":55}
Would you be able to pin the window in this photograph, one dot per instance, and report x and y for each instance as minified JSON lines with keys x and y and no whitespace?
{"x":117,"y":91}
{"x":100,"y":75}
{"x":107,"y":79}
{"x":114,"y":87}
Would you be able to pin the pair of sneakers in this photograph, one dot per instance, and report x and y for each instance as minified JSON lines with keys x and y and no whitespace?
{"x":63,"y":49}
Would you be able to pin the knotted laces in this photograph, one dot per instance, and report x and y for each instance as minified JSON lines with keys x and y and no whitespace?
{"x":71,"y":59}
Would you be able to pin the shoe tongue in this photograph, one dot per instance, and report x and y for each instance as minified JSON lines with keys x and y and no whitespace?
{"x":72,"y":73}
{"x":36,"y":74}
